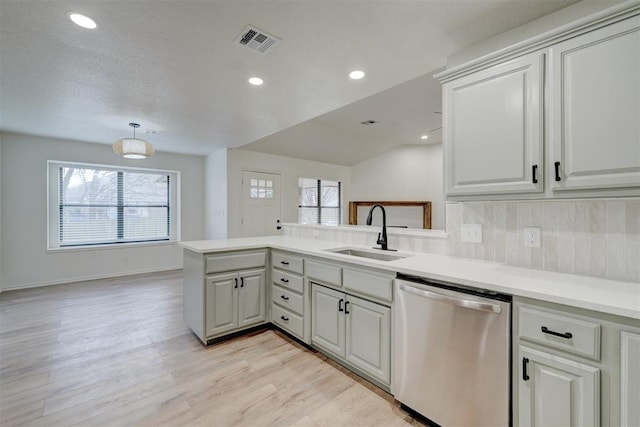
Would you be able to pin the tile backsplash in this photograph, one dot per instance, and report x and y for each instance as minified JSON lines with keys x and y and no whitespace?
{"x":595,"y":237}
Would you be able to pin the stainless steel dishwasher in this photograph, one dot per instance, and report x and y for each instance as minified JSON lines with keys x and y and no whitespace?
{"x":452,"y":353}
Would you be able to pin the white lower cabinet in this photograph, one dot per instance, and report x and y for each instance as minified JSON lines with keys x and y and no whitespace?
{"x":288,"y":299}
{"x":355,"y":330}
{"x":556,"y":391}
{"x":574,"y":367}
{"x":630,"y":379}
{"x":327,"y":319}
{"x":224,"y":292}
{"x":234,"y":301}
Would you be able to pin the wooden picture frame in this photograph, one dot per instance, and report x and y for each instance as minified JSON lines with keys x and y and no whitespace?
{"x":426,"y":210}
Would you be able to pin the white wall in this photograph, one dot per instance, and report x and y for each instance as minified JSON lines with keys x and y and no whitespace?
{"x":1,"y":236}
{"x":410,"y":172}
{"x":290,"y":170}
{"x":216,"y":195}
{"x":26,"y":261}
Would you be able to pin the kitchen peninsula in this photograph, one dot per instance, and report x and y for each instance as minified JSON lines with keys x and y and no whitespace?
{"x":582,"y":331}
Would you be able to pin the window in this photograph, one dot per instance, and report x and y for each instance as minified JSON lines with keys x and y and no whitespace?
{"x":261,"y":189}
{"x":97,"y":205}
{"x":319,"y":201}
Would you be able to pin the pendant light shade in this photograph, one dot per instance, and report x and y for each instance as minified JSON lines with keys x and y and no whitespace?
{"x":133,"y":148}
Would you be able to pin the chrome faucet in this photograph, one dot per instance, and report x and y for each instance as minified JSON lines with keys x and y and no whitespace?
{"x":382,"y":237}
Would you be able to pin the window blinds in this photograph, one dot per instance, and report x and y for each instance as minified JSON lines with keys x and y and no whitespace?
{"x":101,"y":206}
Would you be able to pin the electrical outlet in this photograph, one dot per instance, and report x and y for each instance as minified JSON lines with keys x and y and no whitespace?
{"x":472,"y":233}
{"x":532,"y":237}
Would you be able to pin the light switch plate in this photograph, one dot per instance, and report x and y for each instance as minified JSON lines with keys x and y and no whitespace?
{"x":472,"y":233}
{"x":531,"y":237}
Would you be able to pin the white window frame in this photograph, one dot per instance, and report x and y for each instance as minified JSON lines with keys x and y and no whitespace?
{"x":53,"y":197}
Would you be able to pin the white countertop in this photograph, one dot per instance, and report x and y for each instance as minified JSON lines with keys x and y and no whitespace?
{"x":604,"y":295}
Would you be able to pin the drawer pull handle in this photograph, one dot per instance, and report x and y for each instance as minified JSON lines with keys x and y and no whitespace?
{"x":534,"y":174}
{"x":566,"y":335}
{"x":285,"y":318}
{"x":284,"y":297}
{"x":525,"y":375}
{"x":284,"y":263}
{"x":242,"y":282}
{"x":340,"y":307}
{"x":236,"y":286}
{"x":283,"y":280}
{"x":557,"y":170}
{"x":346,"y":308}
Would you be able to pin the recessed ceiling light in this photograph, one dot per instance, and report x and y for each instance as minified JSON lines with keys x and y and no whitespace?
{"x":256,"y":81}
{"x":356,"y":75}
{"x":424,"y":137}
{"x":83,"y":21}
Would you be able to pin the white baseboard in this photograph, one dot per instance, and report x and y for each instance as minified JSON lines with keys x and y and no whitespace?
{"x":85,"y":278}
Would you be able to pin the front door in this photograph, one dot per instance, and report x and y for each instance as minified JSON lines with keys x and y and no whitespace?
{"x":260,"y":204}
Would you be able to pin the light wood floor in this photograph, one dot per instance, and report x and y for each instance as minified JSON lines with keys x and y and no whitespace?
{"x":116,"y":352}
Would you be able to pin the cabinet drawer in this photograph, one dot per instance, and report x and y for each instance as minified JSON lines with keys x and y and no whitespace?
{"x":287,"y":320}
{"x":286,"y":262}
{"x":329,"y":274}
{"x":288,"y":299}
{"x":365,"y":283}
{"x":237,"y":261}
{"x":560,"y":331}
{"x":287,"y":280}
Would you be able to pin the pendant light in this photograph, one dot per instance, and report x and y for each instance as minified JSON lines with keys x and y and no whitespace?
{"x":133,"y":148}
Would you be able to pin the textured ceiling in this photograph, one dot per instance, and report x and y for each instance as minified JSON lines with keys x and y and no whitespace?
{"x":173,"y":66}
{"x":402,"y":114}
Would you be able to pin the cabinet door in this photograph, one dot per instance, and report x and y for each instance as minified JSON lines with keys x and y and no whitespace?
{"x":630,"y":379}
{"x":493,"y":132}
{"x":221,"y":303}
{"x":557,"y":392}
{"x":252,"y":300}
{"x":327,"y":319}
{"x":595,"y":84}
{"x":368,"y":337}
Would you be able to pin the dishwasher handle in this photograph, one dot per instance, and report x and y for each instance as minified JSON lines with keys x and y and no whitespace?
{"x":460,"y":302}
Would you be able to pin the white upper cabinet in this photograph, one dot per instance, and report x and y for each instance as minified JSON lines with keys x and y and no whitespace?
{"x":595,"y":109}
{"x":493,"y":129}
{"x":563,"y":107}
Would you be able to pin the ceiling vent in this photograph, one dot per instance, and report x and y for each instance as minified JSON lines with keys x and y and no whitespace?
{"x":257,"y":40}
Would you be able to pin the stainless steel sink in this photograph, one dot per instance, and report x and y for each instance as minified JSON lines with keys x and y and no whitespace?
{"x":378,"y":255}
